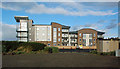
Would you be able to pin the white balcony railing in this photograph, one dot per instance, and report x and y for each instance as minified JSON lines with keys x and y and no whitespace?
{"x":22,"y":28}
{"x":100,"y":36}
{"x":22,"y":40}
{"x":65,"y":30}
{"x":22,"y":35}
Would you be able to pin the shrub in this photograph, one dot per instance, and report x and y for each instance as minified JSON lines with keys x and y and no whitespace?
{"x":9,"y":45}
{"x":109,"y":53}
{"x":20,"y":47}
{"x":33,"y":45}
{"x":54,"y":49}
{"x":94,"y":52}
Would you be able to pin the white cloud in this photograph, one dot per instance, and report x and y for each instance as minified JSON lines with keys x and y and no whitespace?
{"x":78,"y":27}
{"x":42,"y":9}
{"x":60,"y":0}
{"x":8,"y":32}
{"x":72,"y":9}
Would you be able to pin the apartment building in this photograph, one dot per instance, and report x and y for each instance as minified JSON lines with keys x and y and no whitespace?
{"x":56,"y":34}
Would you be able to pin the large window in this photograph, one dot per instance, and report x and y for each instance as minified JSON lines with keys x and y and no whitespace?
{"x":58,"y":34}
{"x":58,"y":29}
{"x":80,"y":34}
{"x":87,"y":39}
{"x":58,"y":39}
{"x":94,"y":34}
{"x":54,"y":34}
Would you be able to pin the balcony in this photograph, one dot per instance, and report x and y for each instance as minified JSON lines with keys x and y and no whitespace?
{"x":21,"y":36}
{"x":73,"y":41}
{"x":18,"y":28}
{"x":73,"y":37}
{"x":65,"y":31}
{"x":22,"y":40}
{"x":100,"y":36}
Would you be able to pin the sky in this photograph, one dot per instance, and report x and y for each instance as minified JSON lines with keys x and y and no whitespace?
{"x":101,"y":16}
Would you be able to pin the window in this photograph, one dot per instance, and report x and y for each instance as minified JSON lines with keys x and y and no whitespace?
{"x":94,"y":44}
{"x":54,"y":44}
{"x":80,"y":40}
{"x":94,"y":39}
{"x":84,"y":42}
{"x":48,"y":28}
{"x":84,"y":35}
{"x":90,"y":35}
{"x":37,"y":34}
{"x":58,"y":34}
{"x":54,"y":29}
{"x":58,"y":44}
{"x":54,"y":34}
{"x":58,"y":39}
{"x":90,"y":42}
{"x":37,"y":28}
{"x":48,"y":44}
{"x":58,"y":29}
{"x":43,"y":34}
{"x":48,"y":39}
{"x":94,"y":35}
{"x":87,"y":39}
{"x":80,"y":34}
{"x":29,"y":28}
{"x":37,"y":39}
{"x":54,"y":39}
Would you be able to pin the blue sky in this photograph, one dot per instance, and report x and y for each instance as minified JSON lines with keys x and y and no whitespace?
{"x":102,"y":16}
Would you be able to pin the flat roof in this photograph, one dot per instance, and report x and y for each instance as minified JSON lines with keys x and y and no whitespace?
{"x":65,"y":27}
{"x":17,"y":18}
{"x":73,"y":32}
{"x":41,"y":25}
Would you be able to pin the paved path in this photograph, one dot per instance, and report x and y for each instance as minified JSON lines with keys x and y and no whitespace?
{"x":60,"y":60}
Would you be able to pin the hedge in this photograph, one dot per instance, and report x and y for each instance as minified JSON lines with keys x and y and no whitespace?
{"x":112,"y":53}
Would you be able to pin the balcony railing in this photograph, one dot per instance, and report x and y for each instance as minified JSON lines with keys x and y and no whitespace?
{"x":100,"y":36}
{"x":18,"y":28}
{"x":65,"y":31}
{"x":24,"y":36}
{"x":22,"y":40}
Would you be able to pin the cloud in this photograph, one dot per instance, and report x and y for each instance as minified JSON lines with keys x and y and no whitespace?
{"x":17,"y":6}
{"x":72,"y":9}
{"x":112,"y":24}
{"x":102,"y":21}
{"x":60,"y":0}
{"x":78,"y":27}
{"x":8,"y":32}
{"x":42,"y":9}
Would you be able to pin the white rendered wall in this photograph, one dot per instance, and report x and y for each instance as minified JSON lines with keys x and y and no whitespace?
{"x":42,"y":33}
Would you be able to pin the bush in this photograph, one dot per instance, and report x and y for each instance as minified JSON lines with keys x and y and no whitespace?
{"x":94,"y":52}
{"x":33,"y":45}
{"x":20,"y":47}
{"x":103,"y":53}
{"x":54,"y":49}
{"x":9,"y":45}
